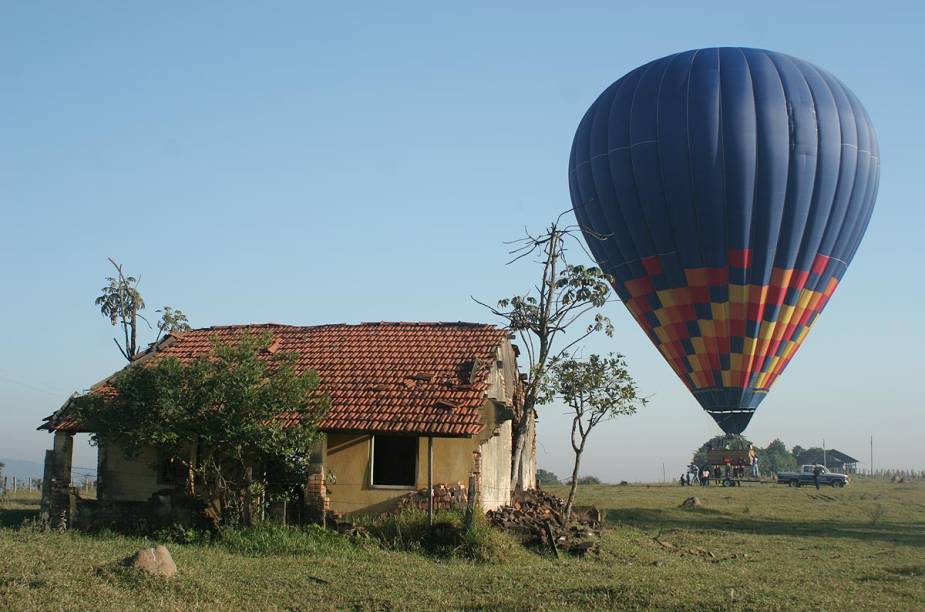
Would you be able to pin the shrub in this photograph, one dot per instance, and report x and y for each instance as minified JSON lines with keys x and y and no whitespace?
{"x":408,"y":531}
{"x":178,"y":534}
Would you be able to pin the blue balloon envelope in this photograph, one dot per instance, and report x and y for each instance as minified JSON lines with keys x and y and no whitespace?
{"x":725,"y":190}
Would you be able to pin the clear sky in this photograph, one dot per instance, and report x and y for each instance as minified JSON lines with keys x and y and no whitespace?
{"x":305,"y":164}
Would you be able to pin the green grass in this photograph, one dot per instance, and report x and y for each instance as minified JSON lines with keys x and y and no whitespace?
{"x":760,"y":547}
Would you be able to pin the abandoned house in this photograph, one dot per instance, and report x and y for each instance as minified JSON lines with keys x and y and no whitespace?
{"x":409,"y":402}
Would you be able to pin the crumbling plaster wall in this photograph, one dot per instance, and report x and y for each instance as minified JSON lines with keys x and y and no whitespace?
{"x":495,"y":468}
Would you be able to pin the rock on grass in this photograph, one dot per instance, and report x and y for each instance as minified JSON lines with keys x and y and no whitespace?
{"x":154,"y":561}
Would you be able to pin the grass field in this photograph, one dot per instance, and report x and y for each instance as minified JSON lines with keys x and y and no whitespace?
{"x":759,"y":547}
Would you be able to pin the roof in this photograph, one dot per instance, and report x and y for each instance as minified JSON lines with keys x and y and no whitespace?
{"x":816,"y":455}
{"x":424,"y":378}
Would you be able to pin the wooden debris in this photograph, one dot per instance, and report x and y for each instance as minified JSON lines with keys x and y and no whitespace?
{"x":446,"y":496}
{"x":537,"y":518}
{"x":552,"y":540}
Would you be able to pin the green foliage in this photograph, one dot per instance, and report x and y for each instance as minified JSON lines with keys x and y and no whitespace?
{"x":120,"y":298}
{"x":545,"y":477}
{"x":559,"y":302}
{"x":595,"y":389}
{"x":573,"y":287}
{"x":172,"y":320}
{"x":265,"y":539}
{"x":223,"y":419}
{"x":121,"y":302}
{"x":409,"y":531}
{"x":178,"y":534}
{"x":775,"y":458}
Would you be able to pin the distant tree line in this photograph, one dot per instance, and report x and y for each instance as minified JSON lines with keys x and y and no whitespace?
{"x":545,"y":477}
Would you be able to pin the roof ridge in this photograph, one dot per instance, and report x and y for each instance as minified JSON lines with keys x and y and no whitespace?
{"x":243,"y":326}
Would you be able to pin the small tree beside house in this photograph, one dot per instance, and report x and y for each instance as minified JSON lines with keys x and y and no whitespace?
{"x":595,"y":389}
{"x":560,"y":302}
{"x":220,"y":421}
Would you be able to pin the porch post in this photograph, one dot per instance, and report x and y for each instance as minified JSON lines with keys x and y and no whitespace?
{"x":57,"y":480}
{"x":430,"y":481}
{"x":316,"y":493}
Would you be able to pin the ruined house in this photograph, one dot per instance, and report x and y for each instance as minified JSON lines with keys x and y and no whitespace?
{"x":411,"y":403}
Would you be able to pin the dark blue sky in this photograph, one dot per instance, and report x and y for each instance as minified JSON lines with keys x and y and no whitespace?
{"x":305,"y":164}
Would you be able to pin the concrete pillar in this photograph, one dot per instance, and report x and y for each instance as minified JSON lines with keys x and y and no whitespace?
{"x":57,"y":480}
{"x":102,"y":460}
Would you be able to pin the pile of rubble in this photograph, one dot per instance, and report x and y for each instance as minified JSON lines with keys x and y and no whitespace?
{"x":537,"y":518}
{"x":446,"y":497}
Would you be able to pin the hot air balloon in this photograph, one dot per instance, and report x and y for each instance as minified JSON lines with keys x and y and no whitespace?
{"x":725,"y":191}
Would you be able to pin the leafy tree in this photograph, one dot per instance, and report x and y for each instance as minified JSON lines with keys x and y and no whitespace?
{"x":596,"y":389}
{"x":775,"y":458}
{"x":559,"y":301}
{"x":224,"y":419}
{"x":172,"y":320}
{"x":122,"y":303}
{"x":545,"y":477}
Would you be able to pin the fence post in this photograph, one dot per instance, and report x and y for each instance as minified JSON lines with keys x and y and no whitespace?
{"x":14,"y":484}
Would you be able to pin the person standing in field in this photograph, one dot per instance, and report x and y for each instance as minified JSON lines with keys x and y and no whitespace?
{"x":755,"y":472}
{"x":817,"y":469}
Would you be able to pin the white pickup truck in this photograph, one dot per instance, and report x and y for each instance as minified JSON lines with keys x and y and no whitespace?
{"x":806,"y":476}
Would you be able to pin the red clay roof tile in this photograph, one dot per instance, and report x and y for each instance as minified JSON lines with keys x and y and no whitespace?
{"x":366,"y":370}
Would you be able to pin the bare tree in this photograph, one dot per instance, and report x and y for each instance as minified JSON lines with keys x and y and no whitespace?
{"x":122,"y":303}
{"x":562,"y":299}
{"x":595,"y":389}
